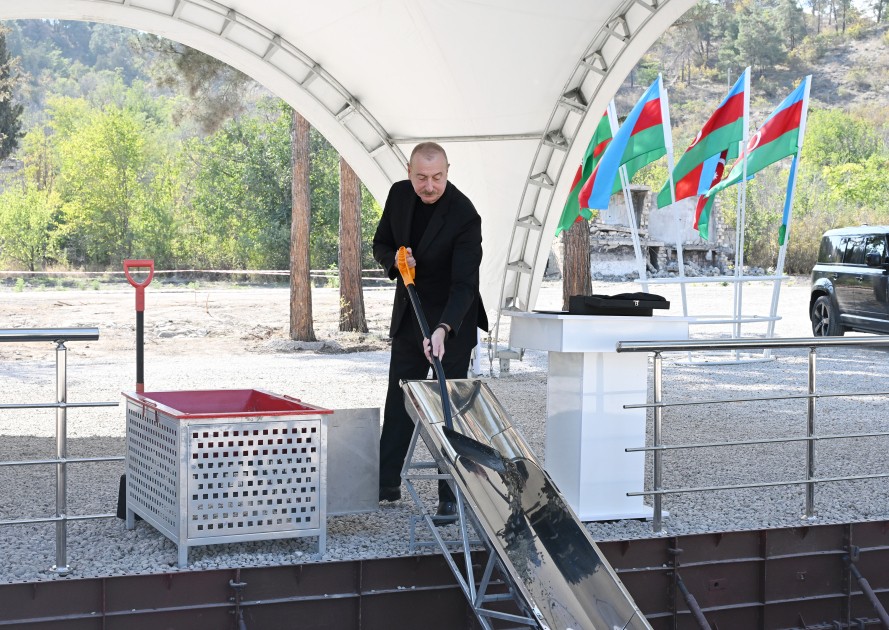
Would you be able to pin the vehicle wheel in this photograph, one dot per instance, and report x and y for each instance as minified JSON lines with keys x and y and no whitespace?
{"x":825,"y":321}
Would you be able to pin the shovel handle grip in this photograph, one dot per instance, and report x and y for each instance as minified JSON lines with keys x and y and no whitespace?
{"x":140,"y":286}
{"x":407,"y":273}
{"x":138,"y":264}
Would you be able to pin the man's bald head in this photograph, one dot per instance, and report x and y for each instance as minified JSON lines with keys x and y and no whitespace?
{"x":428,"y":151}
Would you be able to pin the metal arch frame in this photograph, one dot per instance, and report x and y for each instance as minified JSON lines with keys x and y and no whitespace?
{"x":381,"y":158}
{"x":583,"y":88}
{"x":280,"y":55}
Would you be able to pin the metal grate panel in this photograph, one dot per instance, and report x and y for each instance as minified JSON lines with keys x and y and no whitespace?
{"x":153,"y":467}
{"x":253,"y":479}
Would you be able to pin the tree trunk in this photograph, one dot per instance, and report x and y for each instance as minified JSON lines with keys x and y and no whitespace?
{"x":349,"y":257}
{"x":576,"y":279}
{"x":300,"y":282}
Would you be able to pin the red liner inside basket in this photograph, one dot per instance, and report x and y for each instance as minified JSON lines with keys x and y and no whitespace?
{"x":215,"y":403}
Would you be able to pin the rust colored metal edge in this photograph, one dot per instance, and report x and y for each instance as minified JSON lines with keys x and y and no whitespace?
{"x":792,"y":578}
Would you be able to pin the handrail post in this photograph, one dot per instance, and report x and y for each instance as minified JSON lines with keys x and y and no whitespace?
{"x":657,"y":517}
{"x":810,"y":444}
{"x":61,"y":566}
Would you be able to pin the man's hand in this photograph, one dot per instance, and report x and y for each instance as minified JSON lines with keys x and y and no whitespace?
{"x":411,"y":261}
{"x":436,"y":346}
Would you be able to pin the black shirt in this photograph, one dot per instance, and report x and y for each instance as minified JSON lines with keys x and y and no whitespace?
{"x":422,"y":215}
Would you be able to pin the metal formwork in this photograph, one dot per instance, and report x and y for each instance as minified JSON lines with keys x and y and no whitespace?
{"x":200,"y":479}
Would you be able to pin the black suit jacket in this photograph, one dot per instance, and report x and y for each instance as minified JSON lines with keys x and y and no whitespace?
{"x":448,"y":258}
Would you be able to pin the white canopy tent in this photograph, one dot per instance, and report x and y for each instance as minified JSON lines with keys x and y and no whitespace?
{"x":505,"y":85}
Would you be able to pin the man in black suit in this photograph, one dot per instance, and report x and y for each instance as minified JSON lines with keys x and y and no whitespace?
{"x":441,"y":230}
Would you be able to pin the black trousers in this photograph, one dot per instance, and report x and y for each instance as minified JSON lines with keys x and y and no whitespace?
{"x":408,"y":362}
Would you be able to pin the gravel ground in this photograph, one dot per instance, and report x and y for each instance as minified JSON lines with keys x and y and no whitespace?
{"x":193,"y":342}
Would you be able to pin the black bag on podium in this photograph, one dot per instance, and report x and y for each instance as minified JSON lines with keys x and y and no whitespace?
{"x":640,"y":304}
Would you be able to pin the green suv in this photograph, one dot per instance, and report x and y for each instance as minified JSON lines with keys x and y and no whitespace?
{"x":849,"y":282}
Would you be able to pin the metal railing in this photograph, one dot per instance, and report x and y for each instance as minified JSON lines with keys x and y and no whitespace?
{"x":658,"y":448}
{"x":59,"y":336}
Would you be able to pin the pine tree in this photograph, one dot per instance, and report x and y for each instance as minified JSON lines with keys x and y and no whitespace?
{"x":10,"y":112}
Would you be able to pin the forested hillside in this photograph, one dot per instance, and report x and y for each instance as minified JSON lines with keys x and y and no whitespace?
{"x":124,"y":159}
{"x":124,"y":156}
{"x":843,"y":177}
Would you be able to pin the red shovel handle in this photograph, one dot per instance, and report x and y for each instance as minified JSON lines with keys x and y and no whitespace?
{"x":140,"y":286}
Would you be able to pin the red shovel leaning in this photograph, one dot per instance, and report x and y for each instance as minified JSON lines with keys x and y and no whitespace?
{"x":140,"y":358}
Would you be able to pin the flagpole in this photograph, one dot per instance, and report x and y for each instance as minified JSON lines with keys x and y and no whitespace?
{"x":668,"y":142}
{"x":628,"y":201}
{"x":782,"y":252}
{"x":740,"y":219}
{"x":788,"y":207}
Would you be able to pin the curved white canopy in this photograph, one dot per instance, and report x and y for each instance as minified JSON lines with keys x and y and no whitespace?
{"x":504,"y":85}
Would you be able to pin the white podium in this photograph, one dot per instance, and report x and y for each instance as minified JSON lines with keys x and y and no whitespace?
{"x":587,"y":428}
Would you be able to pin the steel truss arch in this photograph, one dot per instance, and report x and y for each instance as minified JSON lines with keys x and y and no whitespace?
{"x":597,"y":75}
{"x":468,"y":43}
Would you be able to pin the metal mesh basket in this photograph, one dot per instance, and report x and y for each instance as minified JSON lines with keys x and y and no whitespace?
{"x":233,"y":466}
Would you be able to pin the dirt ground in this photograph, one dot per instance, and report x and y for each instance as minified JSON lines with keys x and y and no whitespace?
{"x":196,"y":320}
{"x":204,"y":318}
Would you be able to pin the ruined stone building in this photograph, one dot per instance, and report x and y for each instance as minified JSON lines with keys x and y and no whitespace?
{"x":611,"y":245}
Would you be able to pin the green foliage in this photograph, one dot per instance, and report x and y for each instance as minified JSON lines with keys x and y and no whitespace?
{"x":216,"y":90}
{"x":652,"y":175}
{"x":10,"y":111}
{"x":812,"y":48}
{"x":790,"y":22}
{"x":324,"y":184}
{"x":647,"y":71}
{"x":858,"y":30}
{"x":835,"y":137}
{"x":763,"y":212}
{"x":705,"y":18}
{"x":333,"y":282}
{"x":759,"y":43}
{"x":240,"y":214}
{"x":104,"y":159}
{"x":65,"y":58}
{"x":128,"y":177}
{"x":241,"y":199}
{"x":122,"y":167}
{"x":28,"y":226}
{"x":864,"y":185}
{"x":371,"y":211}
{"x":843,"y":180}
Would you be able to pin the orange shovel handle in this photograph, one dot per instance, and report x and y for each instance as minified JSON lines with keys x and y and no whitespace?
{"x":407,"y":273}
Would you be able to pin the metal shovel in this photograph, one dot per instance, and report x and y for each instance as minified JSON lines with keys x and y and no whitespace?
{"x":474,"y":450}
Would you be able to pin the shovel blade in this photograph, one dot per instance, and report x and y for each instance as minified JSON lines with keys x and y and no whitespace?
{"x":481,"y":454}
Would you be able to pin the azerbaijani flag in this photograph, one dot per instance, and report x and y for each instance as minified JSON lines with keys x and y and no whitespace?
{"x":573,"y":211}
{"x":639,"y":141}
{"x":778,"y":138}
{"x":693,"y":174}
{"x":702,"y":221}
